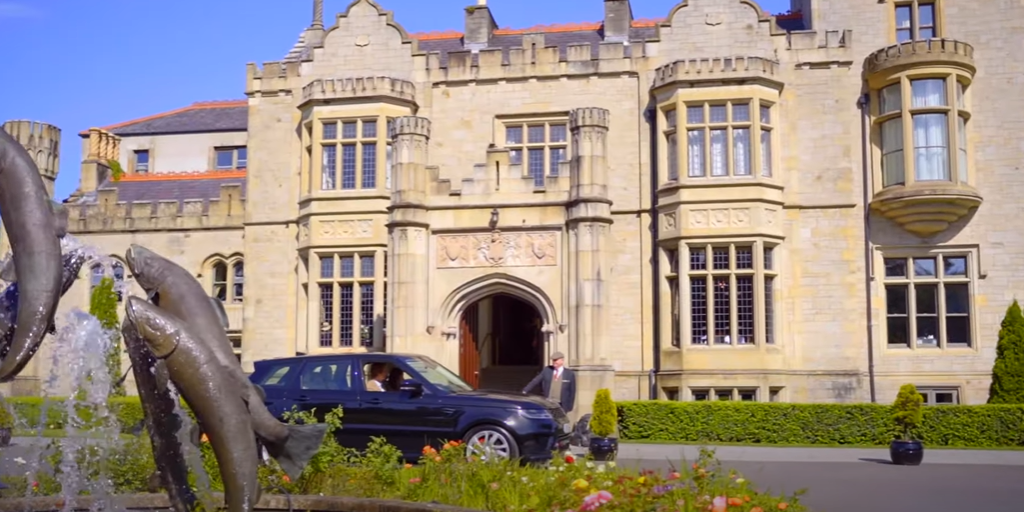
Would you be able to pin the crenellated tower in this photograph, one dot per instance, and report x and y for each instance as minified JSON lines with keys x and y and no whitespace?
{"x":588,"y":219}
{"x":42,"y":141}
{"x":408,"y":228}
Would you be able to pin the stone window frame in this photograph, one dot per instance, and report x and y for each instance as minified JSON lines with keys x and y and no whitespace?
{"x":930,"y":394}
{"x":331,"y":285}
{"x":890,"y":109}
{"x":237,"y":163}
{"x":100,"y":269}
{"x":971,"y":280}
{"x":338,"y":138}
{"x":765,"y":274}
{"x":224,"y":282}
{"x":551,"y":169}
{"x":716,"y":393}
{"x":143,"y":168}
{"x":913,"y":8}
{"x":764,"y":106}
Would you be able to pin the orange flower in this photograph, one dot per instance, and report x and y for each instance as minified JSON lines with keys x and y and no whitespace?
{"x":735,"y":502}
{"x":408,"y":466}
{"x":746,"y":499}
{"x":783,"y":505}
{"x":414,"y":480}
{"x":673,"y":475}
{"x":427,"y":450}
{"x":757,"y":509}
{"x":437,"y":458}
{"x":286,"y":479}
{"x":204,"y":439}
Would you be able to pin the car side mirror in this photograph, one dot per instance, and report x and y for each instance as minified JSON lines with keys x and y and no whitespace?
{"x":413,"y":388}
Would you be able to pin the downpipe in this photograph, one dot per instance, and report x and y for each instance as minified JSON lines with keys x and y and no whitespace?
{"x":864,"y":104}
{"x":652,"y":376}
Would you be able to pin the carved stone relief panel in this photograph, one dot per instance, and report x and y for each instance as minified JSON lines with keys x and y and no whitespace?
{"x":668,"y":222}
{"x":497,"y":249}
{"x":332,"y":229}
{"x":304,"y":231}
{"x":720,"y":218}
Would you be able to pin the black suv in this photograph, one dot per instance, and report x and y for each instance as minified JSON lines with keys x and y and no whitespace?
{"x":423,"y":403}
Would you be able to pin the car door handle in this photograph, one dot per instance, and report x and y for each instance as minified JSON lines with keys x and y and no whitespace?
{"x":448,"y":410}
{"x":373,"y":401}
{"x":302,"y":398}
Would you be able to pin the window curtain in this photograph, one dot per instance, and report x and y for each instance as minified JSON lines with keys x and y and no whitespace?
{"x":741,"y":151}
{"x":719,"y":164}
{"x":931,"y":131}
{"x":695,"y":152}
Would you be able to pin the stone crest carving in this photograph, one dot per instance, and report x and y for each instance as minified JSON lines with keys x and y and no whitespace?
{"x":304,"y":231}
{"x":497,"y":249}
{"x":362,"y":40}
{"x":362,"y":228}
{"x":668,"y":222}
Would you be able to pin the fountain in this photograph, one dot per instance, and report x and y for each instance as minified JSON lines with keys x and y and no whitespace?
{"x":167,"y":353}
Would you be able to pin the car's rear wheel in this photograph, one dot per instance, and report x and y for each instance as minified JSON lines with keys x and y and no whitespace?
{"x":490,"y":442}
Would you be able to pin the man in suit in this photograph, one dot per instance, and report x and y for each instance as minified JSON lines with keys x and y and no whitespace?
{"x":557,"y":383}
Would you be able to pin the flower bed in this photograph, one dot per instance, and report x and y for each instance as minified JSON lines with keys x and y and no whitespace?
{"x":444,"y":475}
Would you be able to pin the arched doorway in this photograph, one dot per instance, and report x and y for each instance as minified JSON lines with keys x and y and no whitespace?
{"x":501,"y":343}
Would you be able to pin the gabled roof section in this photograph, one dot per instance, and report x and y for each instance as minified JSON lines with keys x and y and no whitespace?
{"x":199,"y":117}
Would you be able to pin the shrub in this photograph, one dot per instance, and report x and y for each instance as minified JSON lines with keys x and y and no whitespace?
{"x":906,"y":410}
{"x":103,"y":306}
{"x":28,"y":411}
{"x":605,"y":417}
{"x":6,"y":418}
{"x":974,"y":426}
{"x":1008,"y":371}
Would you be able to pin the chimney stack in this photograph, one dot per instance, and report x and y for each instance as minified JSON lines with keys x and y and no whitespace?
{"x":480,"y":26}
{"x":618,"y":18}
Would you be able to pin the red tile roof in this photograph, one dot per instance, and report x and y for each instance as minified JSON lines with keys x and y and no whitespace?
{"x":173,"y":176}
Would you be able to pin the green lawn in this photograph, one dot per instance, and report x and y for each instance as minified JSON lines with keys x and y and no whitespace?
{"x":767,"y":445}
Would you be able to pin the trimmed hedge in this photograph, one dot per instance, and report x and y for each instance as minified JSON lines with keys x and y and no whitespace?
{"x":29,"y":411}
{"x":968,"y":426}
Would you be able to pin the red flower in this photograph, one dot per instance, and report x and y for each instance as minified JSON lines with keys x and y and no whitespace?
{"x":569,"y":459}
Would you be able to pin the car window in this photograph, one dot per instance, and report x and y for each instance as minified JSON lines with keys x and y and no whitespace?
{"x":334,"y":375}
{"x":436,"y":374}
{"x":278,"y":375}
{"x":383,"y":376}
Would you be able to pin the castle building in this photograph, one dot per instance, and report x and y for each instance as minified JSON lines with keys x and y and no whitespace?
{"x":809,"y":207}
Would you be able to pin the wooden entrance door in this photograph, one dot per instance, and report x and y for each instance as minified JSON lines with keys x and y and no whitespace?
{"x":469,"y":352}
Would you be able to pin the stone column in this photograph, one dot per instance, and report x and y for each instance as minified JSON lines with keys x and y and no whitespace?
{"x":588,"y":221}
{"x":408,"y":232}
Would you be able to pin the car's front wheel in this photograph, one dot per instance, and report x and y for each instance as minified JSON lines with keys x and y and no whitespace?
{"x":490,"y":442}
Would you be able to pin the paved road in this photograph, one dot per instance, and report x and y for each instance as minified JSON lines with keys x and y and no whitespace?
{"x":837,"y":480}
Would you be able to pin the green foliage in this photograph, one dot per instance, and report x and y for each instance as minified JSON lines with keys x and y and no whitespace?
{"x":604,"y":417}
{"x":116,"y":171}
{"x":6,"y":418}
{"x":967,"y":426}
{"x":907,"y":411}
{"x":29,"y":413}
{"x":1008,"y":372}
{"x":103,"y":306}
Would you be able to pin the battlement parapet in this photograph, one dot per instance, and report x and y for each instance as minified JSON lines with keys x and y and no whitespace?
{"x":107,"y":214}
{"x":274,"y":79}
{"x":537,"y":61}
{"x":589,"y":116}
{"x":717,"y":68}
{"x":327,"y":89}
{"x":921,"y":53}
{"x":410,"y":125}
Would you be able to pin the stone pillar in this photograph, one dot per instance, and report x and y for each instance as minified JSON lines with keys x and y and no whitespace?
{"x":408,"y":232}
{"x":588,"y":221}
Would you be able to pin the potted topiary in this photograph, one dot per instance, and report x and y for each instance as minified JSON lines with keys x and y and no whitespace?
{"x":907,"y":415}
{"x":6,"y":425}
{"x":603,"y":422}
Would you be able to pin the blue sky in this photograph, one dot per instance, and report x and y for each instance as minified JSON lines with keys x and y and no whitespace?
{"x":101,"y":62}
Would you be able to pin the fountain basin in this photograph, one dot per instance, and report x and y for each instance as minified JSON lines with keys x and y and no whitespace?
{"x":271,"y":502}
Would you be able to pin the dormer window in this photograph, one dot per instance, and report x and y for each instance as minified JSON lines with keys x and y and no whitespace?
{"x":231,"y":158}
{"x":141,"y":162}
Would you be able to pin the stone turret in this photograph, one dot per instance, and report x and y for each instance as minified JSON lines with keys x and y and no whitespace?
{"x":42,"y":142}
{"x":408,"y":229}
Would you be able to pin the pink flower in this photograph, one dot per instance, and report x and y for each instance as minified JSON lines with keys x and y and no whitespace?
{"x":719,"y":504}
{"x":414,"y":480}
{"x":595,"y":500}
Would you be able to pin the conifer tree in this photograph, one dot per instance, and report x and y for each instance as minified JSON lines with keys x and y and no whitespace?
{"x":103,"y":306}
{"x":1008,"y":371}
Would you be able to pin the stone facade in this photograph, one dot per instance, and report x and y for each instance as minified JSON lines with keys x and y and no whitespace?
{"x":810,"y":207}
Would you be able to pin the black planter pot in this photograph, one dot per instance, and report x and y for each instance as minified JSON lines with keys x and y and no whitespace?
{"x":906,"y":453}
{"x":5,"y":437}
{"x":603,"y":449}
